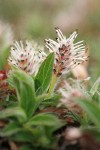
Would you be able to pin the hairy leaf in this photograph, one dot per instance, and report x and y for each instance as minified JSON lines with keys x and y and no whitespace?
{"x":24,"y":85}
{"x":14,"y":112}
{"x":10,"y":129}
{"x":44,"y":120}
{"x":92,"y":110}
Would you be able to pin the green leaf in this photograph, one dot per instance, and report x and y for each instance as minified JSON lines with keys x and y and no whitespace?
{"x":14,"y":112}
{"x":10,"y":129}
{"x":44,"y":75}
{"x":44,"y":119}
{"x":53,"y":101}
{"x":24,"y":85}
{"x":4,"y":53}
{"x":92,"y":110}
{"x":96,"y":98}
{"x":37,"y":136}
{"x":23,"y":77}
{"x":26,"y":147}
{"x":23,"y":136}
{"x":95,"y":87}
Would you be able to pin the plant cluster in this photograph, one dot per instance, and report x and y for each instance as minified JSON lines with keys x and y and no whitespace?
{"x":33,"y":84}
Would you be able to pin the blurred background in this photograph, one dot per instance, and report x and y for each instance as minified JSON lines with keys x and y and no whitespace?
{"x":36,"y":19}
